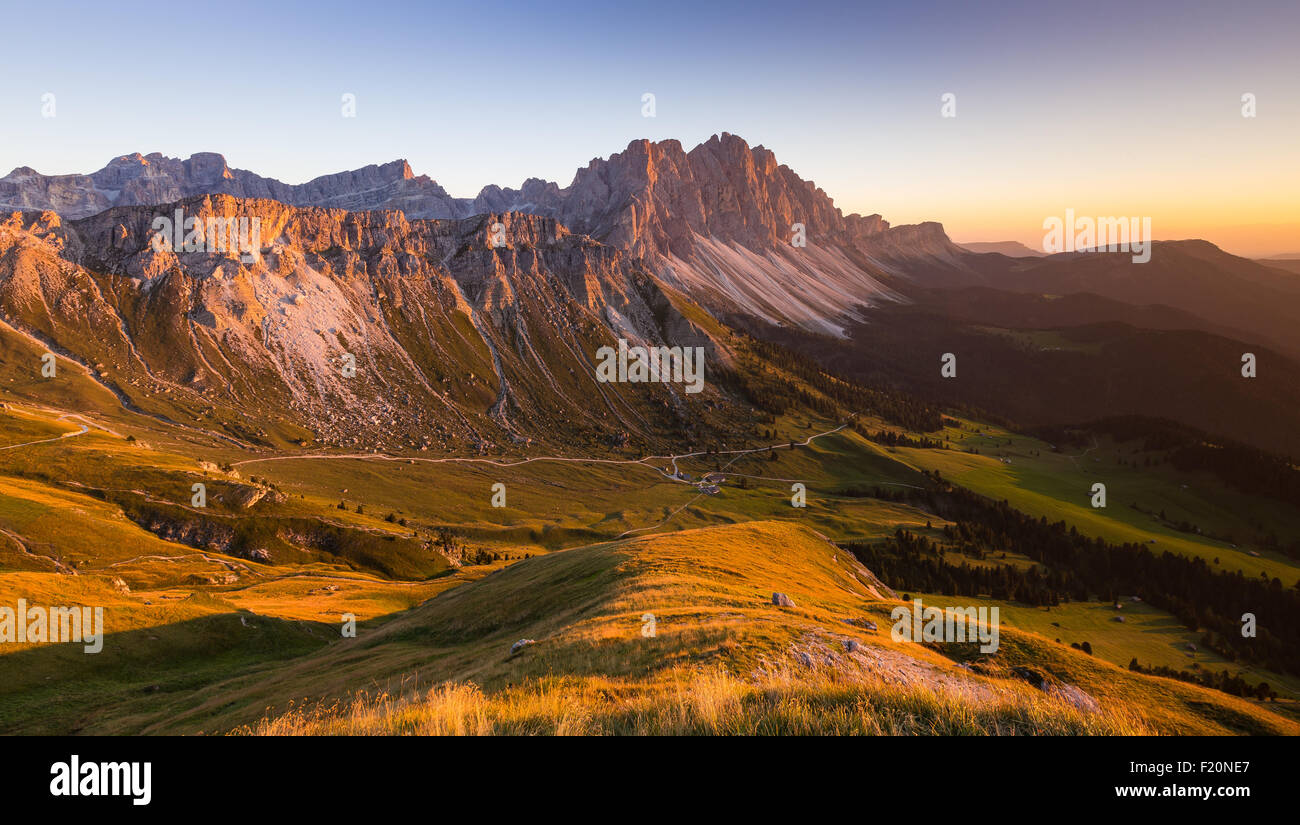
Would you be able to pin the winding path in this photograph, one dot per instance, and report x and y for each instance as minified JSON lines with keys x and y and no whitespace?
{"x":673,"y":459}
{"x":84,"y":429}
{"x":641,"y":462}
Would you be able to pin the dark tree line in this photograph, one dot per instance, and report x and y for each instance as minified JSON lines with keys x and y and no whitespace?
{"x":911,"y":562}
{"x":1240,"y":466}
{"x":1216,"y":679}
{"x":1078,"y":567}
{"x":893,"y":438}
{"x":830,"y":395}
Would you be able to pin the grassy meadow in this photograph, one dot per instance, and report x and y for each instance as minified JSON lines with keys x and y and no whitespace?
{"x":203,"y":637}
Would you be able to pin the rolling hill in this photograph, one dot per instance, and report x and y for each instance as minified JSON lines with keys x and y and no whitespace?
{"x":722,"y":659}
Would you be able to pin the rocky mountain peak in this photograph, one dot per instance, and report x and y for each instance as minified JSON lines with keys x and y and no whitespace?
{"x":209,"y":167}
{"x":397,"y":170}
{"x":133,"y":159}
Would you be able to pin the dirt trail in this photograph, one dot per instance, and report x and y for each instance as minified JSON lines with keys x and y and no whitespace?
{"x":22,"y":545}
{"x":675,"y":475}
{"x":85,"y":425}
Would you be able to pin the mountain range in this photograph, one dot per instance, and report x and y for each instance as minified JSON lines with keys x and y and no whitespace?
{"x":716,"y":221}
{"x":452,"y":340}
{"x":654,"y":244}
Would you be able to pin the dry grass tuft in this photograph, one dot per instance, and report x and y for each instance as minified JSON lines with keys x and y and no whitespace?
{"x":707,"y":701}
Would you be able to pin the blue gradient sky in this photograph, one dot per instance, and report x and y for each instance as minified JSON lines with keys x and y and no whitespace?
{"x":1095,"y":106}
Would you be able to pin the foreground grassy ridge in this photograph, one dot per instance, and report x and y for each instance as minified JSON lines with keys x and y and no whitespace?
{"x":723,"y":659}
{"x":162,"y":648}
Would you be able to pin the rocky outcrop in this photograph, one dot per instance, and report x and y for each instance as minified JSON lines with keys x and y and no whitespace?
{"x":728,"y":224}
{"x":370,"y":329}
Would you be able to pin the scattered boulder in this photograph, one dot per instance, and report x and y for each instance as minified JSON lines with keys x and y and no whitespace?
{"x":782,"y":600}
{"x":520,"y":645}
{"x":863,"y":623}
{"x":212,"y":579}
{"x":1031,"y":676}
{"x":852,"y":645}
{"x":248,"y":496}
{"x":1117,"y":618}
{"x":803,"y":658}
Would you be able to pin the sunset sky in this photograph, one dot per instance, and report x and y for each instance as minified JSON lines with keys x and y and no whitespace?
{"x":1098,"y":107}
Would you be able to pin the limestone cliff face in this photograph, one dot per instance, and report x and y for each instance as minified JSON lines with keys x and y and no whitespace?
{"x":654,"y":198}
{"x":479,"y":331}
{"x":720,"y":222}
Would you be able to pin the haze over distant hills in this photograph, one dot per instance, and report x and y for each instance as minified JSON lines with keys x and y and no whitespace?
{"x":1012,"y":249}
{"x":1290,"y":263}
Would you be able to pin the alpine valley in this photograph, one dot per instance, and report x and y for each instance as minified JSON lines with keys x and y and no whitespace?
{"x":370,"y":476}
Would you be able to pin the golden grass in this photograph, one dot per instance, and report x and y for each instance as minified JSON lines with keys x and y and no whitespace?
{"x":723,"y":660}
{"x":720,"y":661}
{"x":705,"y":701}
